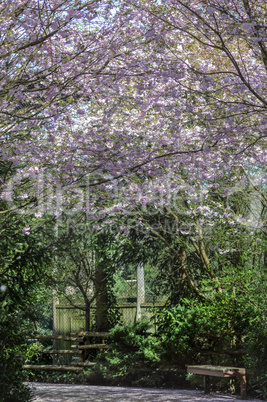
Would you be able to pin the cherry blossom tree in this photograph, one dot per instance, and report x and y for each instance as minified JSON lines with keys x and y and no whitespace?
{"x":157,"y":104}
{"x":164,"y":98}
{"x":141,"y":114}
{"x":52,"y":54}
{"x":190,"y":116}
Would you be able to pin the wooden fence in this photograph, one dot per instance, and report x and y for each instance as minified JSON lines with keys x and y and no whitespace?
{"x":81,"y":343}
{"x":67,"y":319}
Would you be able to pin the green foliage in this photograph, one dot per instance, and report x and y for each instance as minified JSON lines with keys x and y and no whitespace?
{"x":85,"y":269}
{"x":232,"y":322}
{"x":16,"y":317}
{"x":13,"y":352}
{"x":125,"y":284}
{"x":256,"y":338}
{"x":43,"y":316}
{"x":23,"y":260}
{"x":135,"y":337}
{"x":185,"y":331}
{"x":134,"y":350}
{"x":56,"y":377}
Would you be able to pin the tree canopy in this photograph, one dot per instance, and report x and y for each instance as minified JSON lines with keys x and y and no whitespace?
{"x":149,"y":118}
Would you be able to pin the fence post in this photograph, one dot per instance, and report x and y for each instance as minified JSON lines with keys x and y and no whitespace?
{"x":140,"y":278}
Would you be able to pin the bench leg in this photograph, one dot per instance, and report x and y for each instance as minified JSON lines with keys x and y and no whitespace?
{"x":243,"y":387}
{"x":206,"y":384}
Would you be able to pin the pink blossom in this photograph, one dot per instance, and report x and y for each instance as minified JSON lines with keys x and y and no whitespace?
{"x":26,"y":230}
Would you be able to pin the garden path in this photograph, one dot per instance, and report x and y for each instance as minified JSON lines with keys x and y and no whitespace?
{"x":86,"y":393}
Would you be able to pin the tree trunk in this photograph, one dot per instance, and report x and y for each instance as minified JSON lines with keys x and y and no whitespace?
{"x":87,"y":315}
{"x":101,"y":297}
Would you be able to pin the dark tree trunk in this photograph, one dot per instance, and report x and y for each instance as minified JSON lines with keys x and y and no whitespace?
{"x":87,"y":315}
{"x":102,"y":323}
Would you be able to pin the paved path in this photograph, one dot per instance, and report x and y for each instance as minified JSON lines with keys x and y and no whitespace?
{"x":85,"y":393}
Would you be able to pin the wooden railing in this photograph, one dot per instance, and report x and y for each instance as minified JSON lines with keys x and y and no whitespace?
{"x":83,"y":340}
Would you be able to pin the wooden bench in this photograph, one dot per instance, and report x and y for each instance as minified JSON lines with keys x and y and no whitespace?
{"x":221,"y":371}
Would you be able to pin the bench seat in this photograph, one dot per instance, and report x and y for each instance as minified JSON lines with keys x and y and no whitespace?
{"x":220,"y":371}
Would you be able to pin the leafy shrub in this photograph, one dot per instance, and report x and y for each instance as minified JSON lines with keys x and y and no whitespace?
{"x":13,"y":352}
{"x":234,"y":321}
{"x":188,"y":331}
{"x":23,"y":261}
{"x":134,"y":350}
{"x":56,"y":377}
{"x":256,"y":341}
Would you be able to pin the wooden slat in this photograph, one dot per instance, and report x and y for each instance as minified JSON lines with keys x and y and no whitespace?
{"x":89,"y":334}
{"x":195,"y":370}
{"x":221,"y":371}
{"x":216,"y":371}
{"x":61,"y":352}
{"x":94,"y":346}
{"x":55,"y":337}
{"x":51,"y":368}
{"x":241,"y":352}
{"x":83,"y":364}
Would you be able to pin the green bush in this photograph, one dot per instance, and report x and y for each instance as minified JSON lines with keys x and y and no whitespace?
{"x":134,"y":351}
{"x":234,"y":321}
{"x":13,"y":352}
{"x":256,"y":341}
{"x":187,"y":331}
{"x":24,"y":261}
